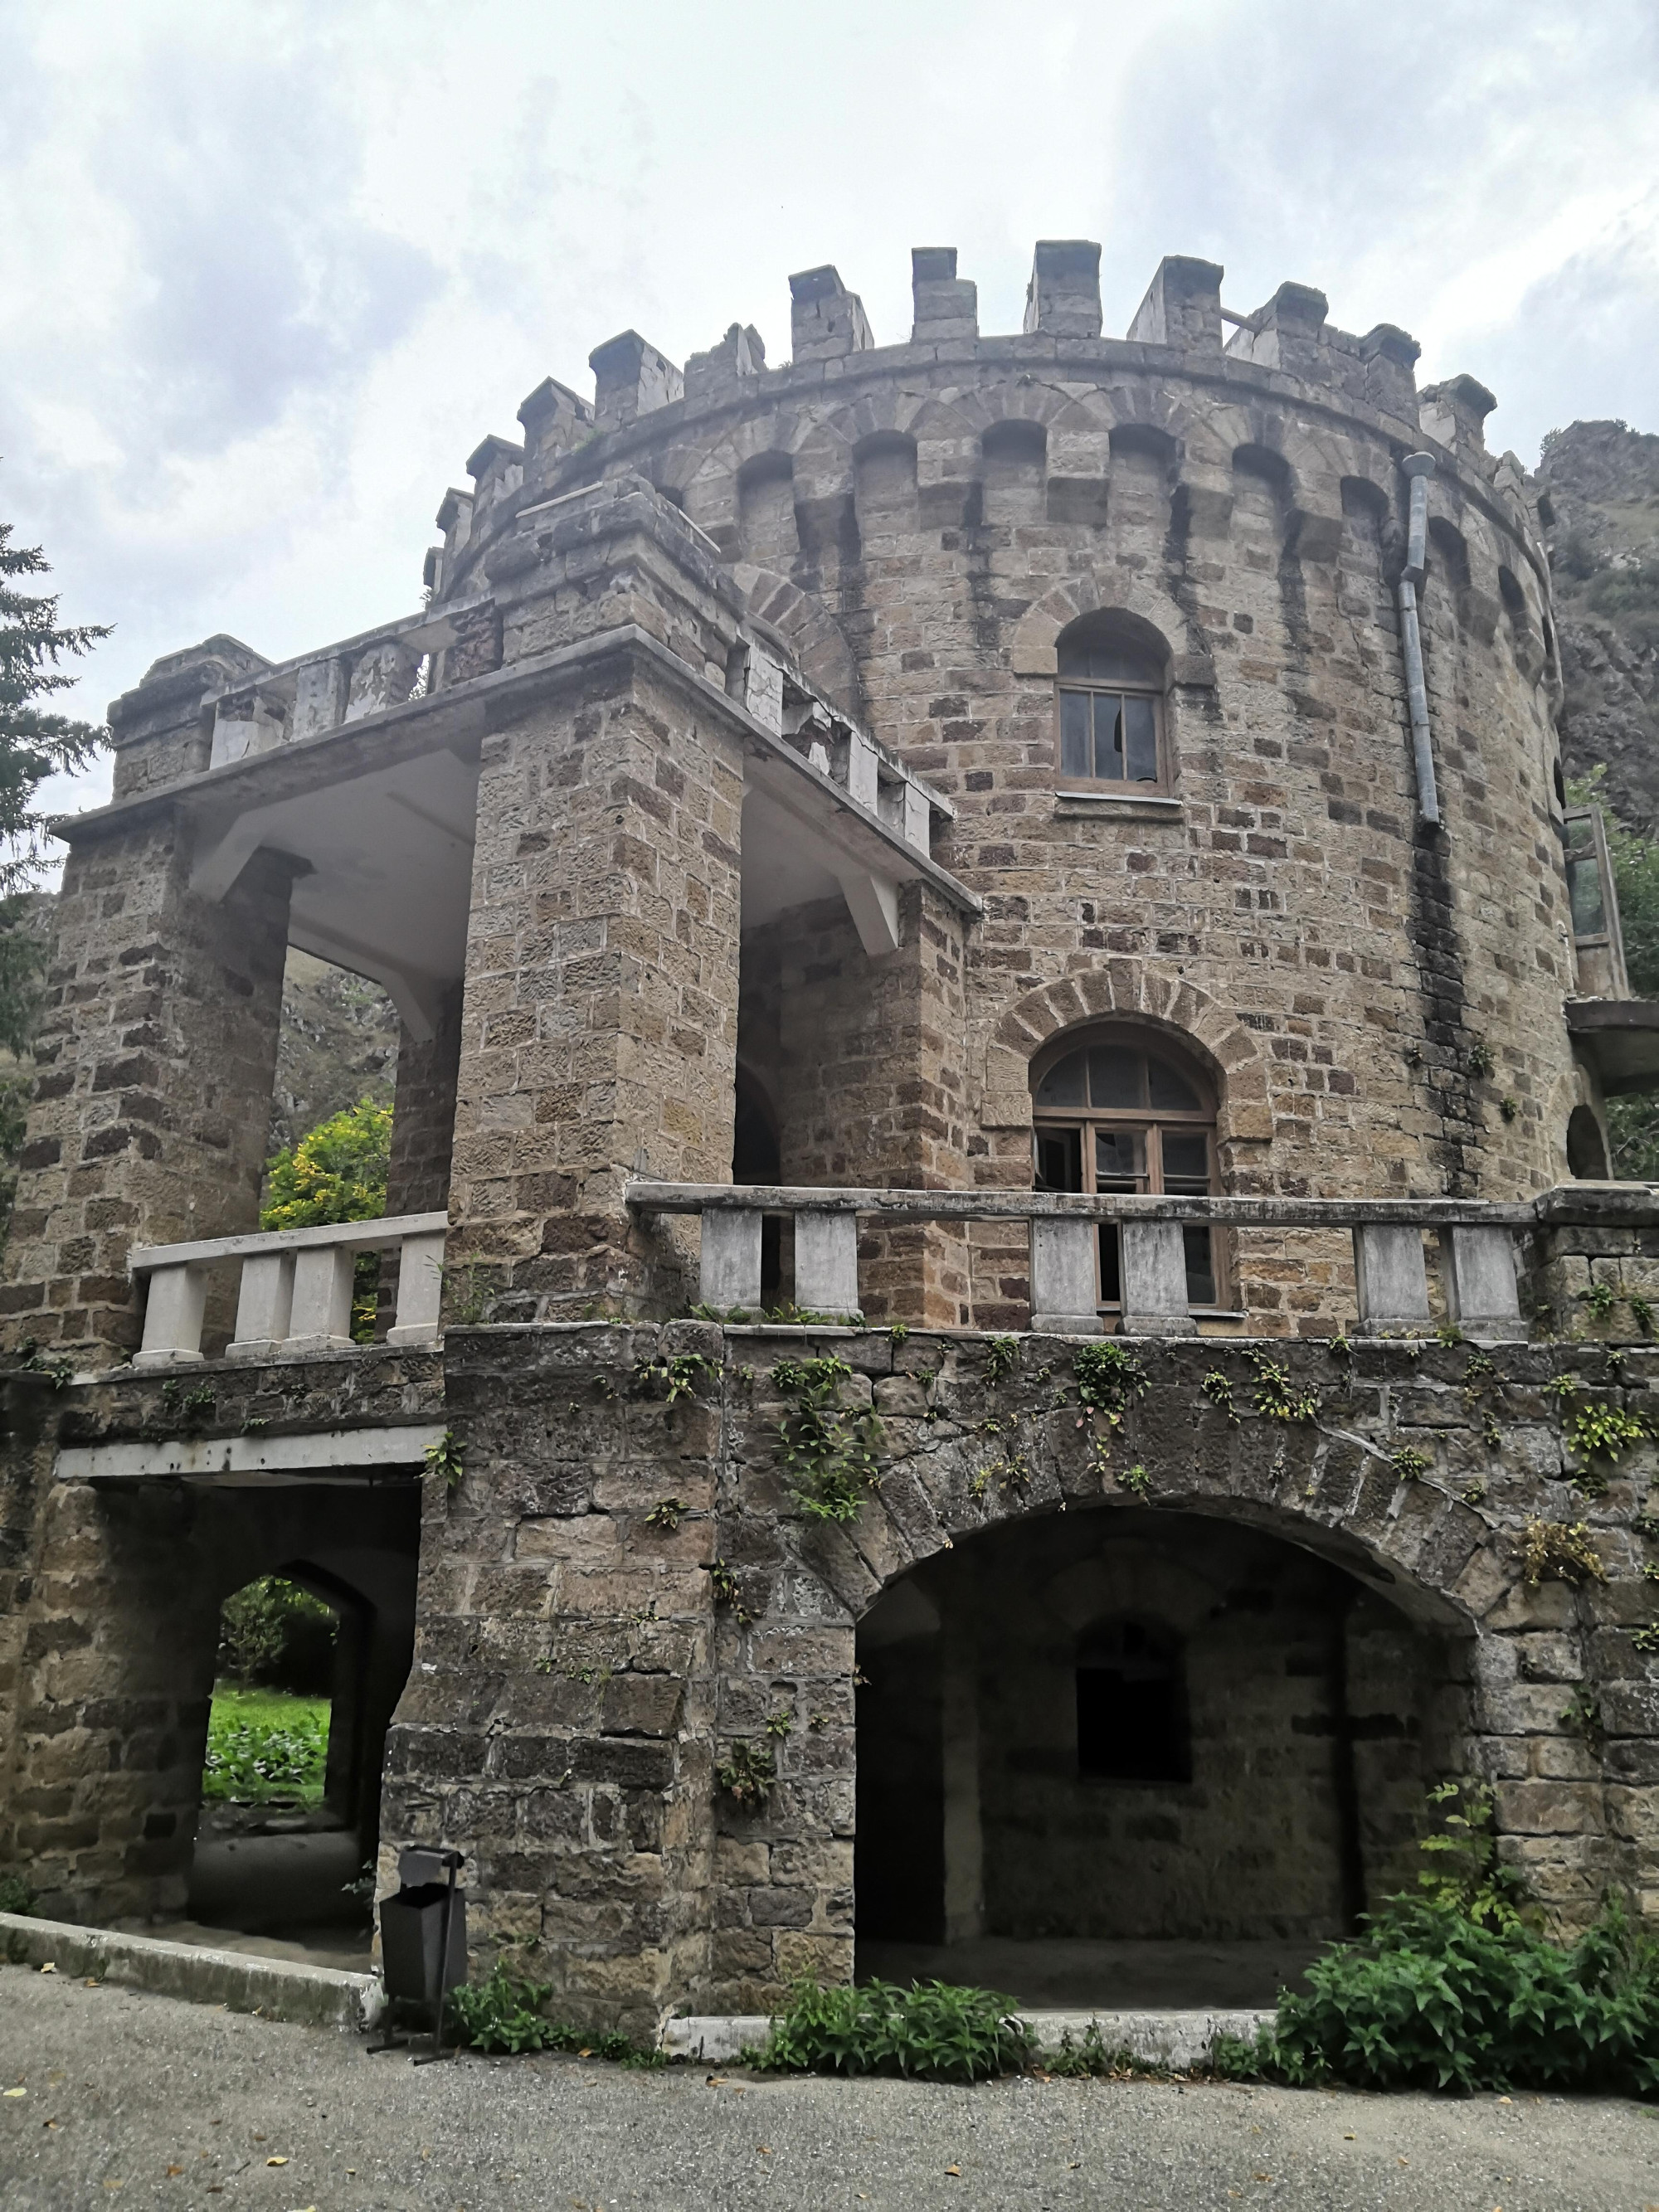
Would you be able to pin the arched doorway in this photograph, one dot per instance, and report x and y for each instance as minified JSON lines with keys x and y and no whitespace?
{"x":312,"y":1647}
{"x":1136,"y":1756}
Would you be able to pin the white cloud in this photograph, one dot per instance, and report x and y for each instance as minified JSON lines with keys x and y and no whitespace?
{"x":283,"y":265}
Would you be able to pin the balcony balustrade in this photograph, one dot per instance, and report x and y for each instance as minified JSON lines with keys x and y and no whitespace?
{"x":295,"y":1294}
{"x":1478,"y":1271}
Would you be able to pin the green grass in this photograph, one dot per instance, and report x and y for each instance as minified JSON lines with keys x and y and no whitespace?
{"x":264,"y":1745}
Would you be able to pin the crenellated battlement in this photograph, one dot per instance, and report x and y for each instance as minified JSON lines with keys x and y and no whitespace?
{"x":1181,"y":341}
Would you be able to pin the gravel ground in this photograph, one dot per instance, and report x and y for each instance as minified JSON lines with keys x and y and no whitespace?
{"x":139,"y":2100}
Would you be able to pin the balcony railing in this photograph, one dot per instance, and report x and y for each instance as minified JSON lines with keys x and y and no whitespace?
{"x":1478,"y":1274}
{"x":294,"y":1293}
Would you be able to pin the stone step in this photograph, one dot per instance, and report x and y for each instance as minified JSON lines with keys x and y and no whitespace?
{"x":276,"y":1989}
{"x":1179,"y":2039}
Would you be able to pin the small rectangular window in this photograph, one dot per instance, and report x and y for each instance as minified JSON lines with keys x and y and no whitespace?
{"x":1129,"y":1729}
{"x":1109,"y":737}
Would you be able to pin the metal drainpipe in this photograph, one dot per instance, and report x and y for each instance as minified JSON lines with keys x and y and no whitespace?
{"x":1418,"y":468}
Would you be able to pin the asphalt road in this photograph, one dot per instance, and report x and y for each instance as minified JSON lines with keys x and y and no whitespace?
{"x":134,"y":2100}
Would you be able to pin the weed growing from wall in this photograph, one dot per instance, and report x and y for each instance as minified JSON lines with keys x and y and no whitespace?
{"x":747,"y":1773}
{"x":1562,"y":1552}
{"x":447,"y":1460}
{"x":1001,"y":1358}
{"x":1109,"y":1378}
{"x":829,"y":1456}
{"x":1276,"y":1397}
{"x":1218,"y":1389}
{"x":673,"y":1378}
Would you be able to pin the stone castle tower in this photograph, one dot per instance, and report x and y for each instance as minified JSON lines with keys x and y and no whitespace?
{"x":970,"y":847}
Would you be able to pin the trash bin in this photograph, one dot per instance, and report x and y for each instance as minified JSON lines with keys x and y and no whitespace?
{"x":423,"y":1937}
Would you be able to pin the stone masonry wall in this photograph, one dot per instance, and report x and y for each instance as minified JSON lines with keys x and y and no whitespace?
{"x":600,"y":1010}
{"x":938,"y":513}
{"x":157,"y":1056}
{"x":869,"y":1084}
{"x":581,"y":1666}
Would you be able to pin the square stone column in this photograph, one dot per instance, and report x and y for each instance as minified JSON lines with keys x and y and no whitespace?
{"x":600,"y":1029}
{"x":869,"y":1086}
{"x":157,"y":1058}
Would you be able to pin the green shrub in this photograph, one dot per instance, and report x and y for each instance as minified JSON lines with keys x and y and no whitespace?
{"x":504,"y":2013}
{"x":1430,"y":1999}
{"x":1453,"y":1989}
{"x":261,"y":1749}
{"x":272,"y":1631}
{"x":15,"y":1895}
{"x":932,"y":2033}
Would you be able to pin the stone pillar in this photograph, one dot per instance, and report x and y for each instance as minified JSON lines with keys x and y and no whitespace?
{"x":871,"y":1088}
{"x":423,"y":1113}
{"x":599,"y":1028}
{"x":157,"y":1058}
{"x":557,"y":1722}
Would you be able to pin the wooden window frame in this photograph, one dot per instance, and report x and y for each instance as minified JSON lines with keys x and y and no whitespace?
{"x":1156,"y":691}
{"x":1150,"y":1121}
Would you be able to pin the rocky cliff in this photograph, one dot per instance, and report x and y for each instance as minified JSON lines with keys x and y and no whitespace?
{"x":1600,"y":513}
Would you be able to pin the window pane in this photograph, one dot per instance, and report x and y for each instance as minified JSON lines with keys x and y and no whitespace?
{"x":1120,"y":1159}
{"x":1171,"y":1091}
{"x":1186,"y":1161}
{"x":1108,"y":664}
{"x":1060,"y":1159}
{"x":1116,"y":1078}
{"x":1074,"y":733}
{"x":1584,"y":896}
{"x":1140,"y":739}
{"x":1200,"y":1266}
{"x":1109,"y":736}
{"x":1063,"y":1084}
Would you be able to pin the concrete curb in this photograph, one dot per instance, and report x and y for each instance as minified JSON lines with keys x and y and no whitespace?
{"x":276,"y":1988}
{"x":1178,"y":2040}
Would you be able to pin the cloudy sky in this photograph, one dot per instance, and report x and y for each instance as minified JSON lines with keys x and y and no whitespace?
{"x":271,"y":270}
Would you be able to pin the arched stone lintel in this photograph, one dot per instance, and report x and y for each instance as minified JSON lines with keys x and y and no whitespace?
{"x":1437,"y":1565}
{"x":807,"y":628}
{"x":1032,"y":649}
{"x":1151,"y":993}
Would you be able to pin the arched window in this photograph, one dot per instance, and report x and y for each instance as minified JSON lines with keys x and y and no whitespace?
{"x":1111,"y":709}
{"x":1122,"y":1112}
{"x":1131,"y":1704}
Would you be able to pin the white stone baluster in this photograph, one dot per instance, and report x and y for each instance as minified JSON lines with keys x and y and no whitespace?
{"x":1063,"y":1285}
{"x":321,"y":1319}
{"x":420,"y":1290}
{"x":263,"y":1305}
{"x":827,"y":1262}
{"x":729,"y":1273}
{"x":1154,"y":1279}
{"x":1479,"y":1274}
{"x":173,"y":1316}
{"x":1390,"y":1276}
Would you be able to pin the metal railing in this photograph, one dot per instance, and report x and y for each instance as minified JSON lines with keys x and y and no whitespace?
{"x":1478,"y":1273}
{"x":295,"y":1292}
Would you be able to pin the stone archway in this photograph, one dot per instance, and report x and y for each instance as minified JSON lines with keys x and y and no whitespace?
{"x":1137,"y":1756}
{"x":1374,"y":1488}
